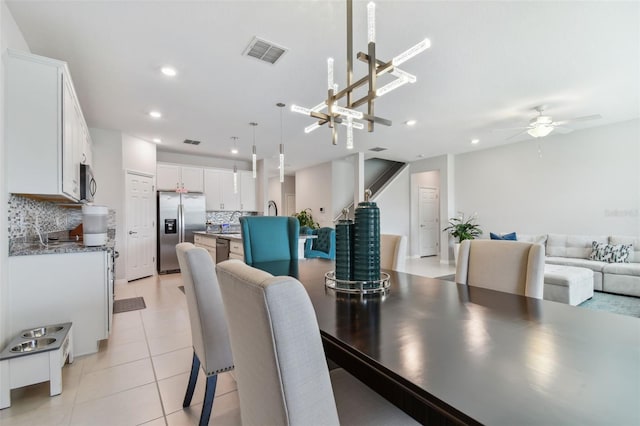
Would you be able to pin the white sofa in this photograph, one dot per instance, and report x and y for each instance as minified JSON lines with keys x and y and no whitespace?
{"x":574,"y":250}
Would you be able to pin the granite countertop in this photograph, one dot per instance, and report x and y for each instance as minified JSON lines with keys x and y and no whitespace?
{"x":225,"y":235}
{"x":32,"y":248}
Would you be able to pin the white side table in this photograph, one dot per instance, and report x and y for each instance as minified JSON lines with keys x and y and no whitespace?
{"x":35,"y":355}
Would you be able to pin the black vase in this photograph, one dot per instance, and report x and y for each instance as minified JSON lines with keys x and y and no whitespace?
{"x":366,"y":243}
{"x":344,"y":249}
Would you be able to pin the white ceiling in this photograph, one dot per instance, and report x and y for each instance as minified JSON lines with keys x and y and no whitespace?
{"x":490,"y":63}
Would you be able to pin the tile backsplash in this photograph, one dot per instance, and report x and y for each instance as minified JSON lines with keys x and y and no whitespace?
{"x":220,"y":217}
{"x":25,"y":214}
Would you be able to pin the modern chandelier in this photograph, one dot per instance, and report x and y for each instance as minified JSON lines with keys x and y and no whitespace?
{"x":347,"y":115}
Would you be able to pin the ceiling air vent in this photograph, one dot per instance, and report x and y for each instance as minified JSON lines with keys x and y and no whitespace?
{"x":377,"y":149}
{"x":191,"y":142}
{"x":264,"y":50}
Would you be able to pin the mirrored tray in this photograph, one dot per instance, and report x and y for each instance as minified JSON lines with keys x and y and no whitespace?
{"x":359,"y":287}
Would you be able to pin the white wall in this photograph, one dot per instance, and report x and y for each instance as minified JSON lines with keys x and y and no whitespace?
{"x":274,"y":193}
{"x":444,"y":164}
{"x":138,"y":155}
{"x":201,"y":160}
{"x":108,"y":169}
{"x":314,"y":191}
{"x":343,"y":182}
{"x":393,"y":218}
{"x":10,"y":37}
{"x":585,"y":182}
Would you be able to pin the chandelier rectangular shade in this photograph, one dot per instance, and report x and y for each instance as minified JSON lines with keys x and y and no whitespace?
{"x":346,"y":113}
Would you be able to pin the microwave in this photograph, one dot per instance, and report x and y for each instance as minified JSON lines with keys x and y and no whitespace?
{"x":88,"y":184}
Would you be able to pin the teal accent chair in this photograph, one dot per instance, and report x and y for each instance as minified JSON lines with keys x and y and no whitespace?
{"x":269,"y":238}
{"x":324,"y":246}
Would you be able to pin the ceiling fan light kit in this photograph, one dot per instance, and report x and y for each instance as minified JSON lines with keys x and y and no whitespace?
{"x":347,"y":115}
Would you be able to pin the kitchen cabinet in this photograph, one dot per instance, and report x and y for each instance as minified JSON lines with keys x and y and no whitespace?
{"x":236,"y":250}
{"x":46,"y":134}
{"x":219,"y":191}
{"x":63,"y":287}
{"x":247,"y":192}
{"x":171,"y":177}
{"x":207,"y":242}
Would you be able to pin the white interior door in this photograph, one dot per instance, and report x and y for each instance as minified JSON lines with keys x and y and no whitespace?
{"x":140,"y":230}
{"x":429,"y":221}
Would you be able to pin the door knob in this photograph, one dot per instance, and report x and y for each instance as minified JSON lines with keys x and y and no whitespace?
{"x":132,"y":232}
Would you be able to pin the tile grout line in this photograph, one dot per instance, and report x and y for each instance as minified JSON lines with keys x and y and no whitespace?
{"x":153,"y":366}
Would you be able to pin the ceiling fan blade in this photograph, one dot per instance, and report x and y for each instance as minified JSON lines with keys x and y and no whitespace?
{"x":584,"y":118}
{"x":517,"y":134}
{"x":562,"y":130}
{"x":510,"y":128}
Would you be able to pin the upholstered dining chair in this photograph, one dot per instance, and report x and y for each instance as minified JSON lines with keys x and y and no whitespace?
{"x":282,"y":373}
{"x":209,"y":330}
{"x":324,"y":246}
{"x":269,"y":238}
{"x":508,"y":266}
{"x":393,"y":251}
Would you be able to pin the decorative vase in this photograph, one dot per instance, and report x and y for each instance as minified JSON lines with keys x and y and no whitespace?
{"x":344,"y":248}
{"x":366,"y":245}
{"x":456,"y":249}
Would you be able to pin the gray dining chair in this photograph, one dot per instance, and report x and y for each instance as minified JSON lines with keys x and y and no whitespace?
{"x":209,"y":330}
{"x":393,"y":251}
{"x":282,"y":373}
{"x":508,"y":266}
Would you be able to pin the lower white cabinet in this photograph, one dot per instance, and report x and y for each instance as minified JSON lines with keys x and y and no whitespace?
{"x":236,"y":251}
{"x":67,"y":287}
{"x":207,"y":242}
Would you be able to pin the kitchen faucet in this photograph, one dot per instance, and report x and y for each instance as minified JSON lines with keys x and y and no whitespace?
{"x":232,"y":214}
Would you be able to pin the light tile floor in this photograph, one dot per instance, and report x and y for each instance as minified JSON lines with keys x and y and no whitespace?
{"x":140,"y":374}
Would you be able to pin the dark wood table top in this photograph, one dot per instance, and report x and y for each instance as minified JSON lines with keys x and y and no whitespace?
{"x":491,"y":357}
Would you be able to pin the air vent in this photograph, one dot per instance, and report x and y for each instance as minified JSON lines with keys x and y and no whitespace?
{"x":191,"y":142}
{"x":377,"y":149}
{"x":264,"y":50}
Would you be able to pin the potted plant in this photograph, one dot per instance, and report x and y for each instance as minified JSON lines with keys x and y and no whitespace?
{"x":462,"y":229}
{"x":305,"y":219}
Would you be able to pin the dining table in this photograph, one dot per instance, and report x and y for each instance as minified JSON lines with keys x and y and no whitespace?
{"x":447,"y":353}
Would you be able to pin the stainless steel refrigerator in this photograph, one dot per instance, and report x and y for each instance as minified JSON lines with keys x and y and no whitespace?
{"x":179,"y":215}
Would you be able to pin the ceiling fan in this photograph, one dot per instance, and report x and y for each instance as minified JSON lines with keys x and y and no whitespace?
{"x":541,"y":125}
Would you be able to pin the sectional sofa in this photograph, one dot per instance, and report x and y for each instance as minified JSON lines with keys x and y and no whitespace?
{"x":574,"y":250}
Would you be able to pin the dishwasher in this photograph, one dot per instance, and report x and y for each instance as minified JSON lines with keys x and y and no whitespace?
{"x":222,"y":249}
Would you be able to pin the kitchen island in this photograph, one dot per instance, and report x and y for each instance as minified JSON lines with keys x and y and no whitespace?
{"x":207,"y":240}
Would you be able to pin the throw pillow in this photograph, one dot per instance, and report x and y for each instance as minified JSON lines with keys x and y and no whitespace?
{"x":507,"y":237}
{"x":611,"y":253}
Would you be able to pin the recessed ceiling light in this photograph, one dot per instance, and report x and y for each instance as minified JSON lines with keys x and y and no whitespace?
{"x":168,"y":71}
{"x":475,"y":141}
{"x":410,"y":122}
{"x":155,"y":114}
{"x":420,"y":156}
{"x":157,"y":140}
{"x":234,"y":150}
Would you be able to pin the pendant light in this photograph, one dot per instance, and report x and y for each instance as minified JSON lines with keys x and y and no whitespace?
{"x":281,"y":106}
{"x":235,"y":179}
{"x":253,"y":150}
{"x":235,"y":169}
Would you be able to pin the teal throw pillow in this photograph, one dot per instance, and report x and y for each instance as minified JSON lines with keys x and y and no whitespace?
{"x":507,"y":237}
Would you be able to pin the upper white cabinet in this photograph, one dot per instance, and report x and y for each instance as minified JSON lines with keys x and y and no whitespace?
{"x":218,"y":190}
{"x":47,"y":137}
{"x":171,"y":177}
{"x":247,"y":192}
